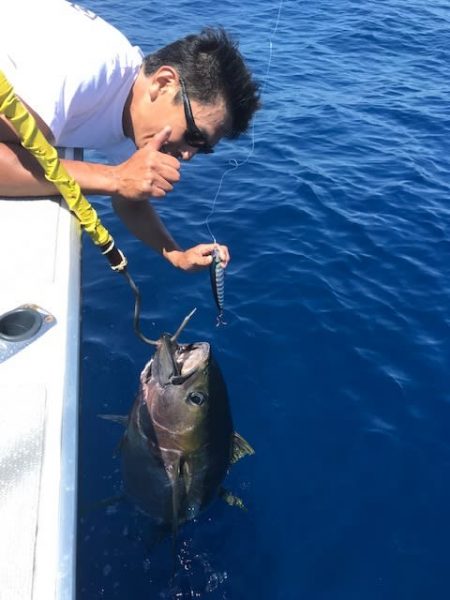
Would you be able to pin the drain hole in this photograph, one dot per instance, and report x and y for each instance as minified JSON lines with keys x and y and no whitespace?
{"x":20,"y":324}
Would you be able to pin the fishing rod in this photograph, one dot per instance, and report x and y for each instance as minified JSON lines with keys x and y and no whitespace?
{"x":34,"y":141}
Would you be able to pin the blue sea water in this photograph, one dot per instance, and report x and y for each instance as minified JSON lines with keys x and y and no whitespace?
{"x":337,"y":346}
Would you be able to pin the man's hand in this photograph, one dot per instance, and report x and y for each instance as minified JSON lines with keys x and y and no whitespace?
{"x":198,"y":257}
{"x":148,"y":172}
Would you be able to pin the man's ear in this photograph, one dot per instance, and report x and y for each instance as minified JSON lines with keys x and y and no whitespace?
{"x":164,"y":80}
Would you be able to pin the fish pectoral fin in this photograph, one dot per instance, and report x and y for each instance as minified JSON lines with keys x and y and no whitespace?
{"x":231,"y":499}
{"x":177,"y":478}
{"x":178,"y":491}
{"x":187,"y":476}
{"x":122,"y":420}
{"x":240,"y":448}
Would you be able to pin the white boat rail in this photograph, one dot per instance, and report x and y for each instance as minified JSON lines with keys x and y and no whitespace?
{"x":40,"y":265}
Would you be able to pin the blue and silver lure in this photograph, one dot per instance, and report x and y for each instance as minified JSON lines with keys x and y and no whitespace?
{"x":217,"y":274}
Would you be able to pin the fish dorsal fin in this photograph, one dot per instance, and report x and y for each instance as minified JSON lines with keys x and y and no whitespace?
{"x":231,"y":499}
{"x":240,"y":448}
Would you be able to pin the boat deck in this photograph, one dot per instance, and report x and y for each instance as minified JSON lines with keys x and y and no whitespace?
{"x":40,"y":265}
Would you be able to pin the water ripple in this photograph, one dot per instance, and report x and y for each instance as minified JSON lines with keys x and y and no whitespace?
{"x":336,"y":347}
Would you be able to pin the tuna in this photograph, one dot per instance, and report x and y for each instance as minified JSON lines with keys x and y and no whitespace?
{"x":179,"y":440}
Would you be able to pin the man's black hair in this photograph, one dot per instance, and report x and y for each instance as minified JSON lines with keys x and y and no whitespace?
{"x":212,"y":67}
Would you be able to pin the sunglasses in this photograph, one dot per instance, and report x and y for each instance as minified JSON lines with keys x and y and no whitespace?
{"x":193,"y":136}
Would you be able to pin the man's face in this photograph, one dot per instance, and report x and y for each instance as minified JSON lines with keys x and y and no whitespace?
{"x":157,"y":104}
{"x":211,"y":121}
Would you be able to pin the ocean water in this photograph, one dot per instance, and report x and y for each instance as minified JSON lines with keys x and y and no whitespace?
{"x":337,"y":346}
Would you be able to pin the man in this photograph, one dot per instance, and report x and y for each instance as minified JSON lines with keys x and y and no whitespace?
{"x":88,"y":87}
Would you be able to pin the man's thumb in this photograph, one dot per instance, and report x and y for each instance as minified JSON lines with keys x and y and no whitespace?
{"x":160,"y":138}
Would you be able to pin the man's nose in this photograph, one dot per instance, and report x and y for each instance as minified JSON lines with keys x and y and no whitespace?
{"x":188,"y":153}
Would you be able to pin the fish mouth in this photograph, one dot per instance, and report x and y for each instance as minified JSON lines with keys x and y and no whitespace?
{"x":174,"y":363}
{"x":192,"y":357}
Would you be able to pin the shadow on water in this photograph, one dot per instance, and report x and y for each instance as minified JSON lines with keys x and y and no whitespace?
{"x":123,"y":556}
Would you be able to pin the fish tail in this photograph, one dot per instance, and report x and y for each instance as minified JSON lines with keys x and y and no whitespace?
{"x":220,"y":319}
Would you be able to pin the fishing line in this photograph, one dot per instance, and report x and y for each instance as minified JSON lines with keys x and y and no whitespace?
{"x":234,"y":164}
{"x":216,"y":269}
{"x":137,"y":310}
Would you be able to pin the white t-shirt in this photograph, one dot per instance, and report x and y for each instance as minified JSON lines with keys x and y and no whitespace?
{"x":73,"y":68}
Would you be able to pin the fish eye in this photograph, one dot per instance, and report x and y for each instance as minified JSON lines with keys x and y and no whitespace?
{"x":196,"y":398}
